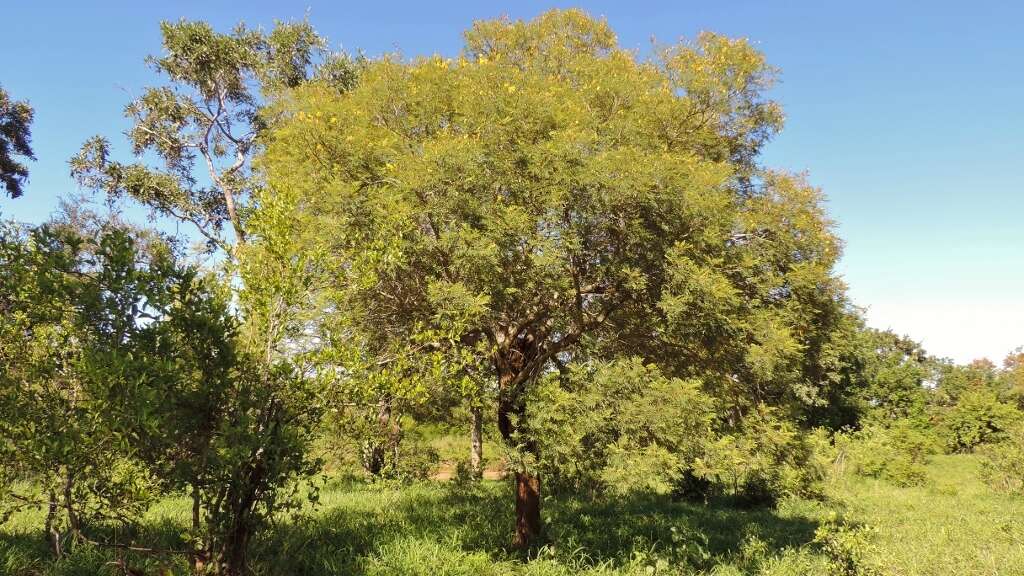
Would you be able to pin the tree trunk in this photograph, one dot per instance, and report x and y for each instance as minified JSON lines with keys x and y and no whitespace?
{"x":74,"y":527}
{"x":511,"y":411}
{"x":528,"y":523}
{"x":234,"y":549}
{"x":394,"y":438}
{"x":198,"y":552}
{"x":476,"y":442}
{"x":236,"y":554}
{"x":375,"y":449}
{"x":52,"y":536}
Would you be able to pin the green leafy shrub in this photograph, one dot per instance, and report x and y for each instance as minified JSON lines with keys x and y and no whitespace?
{"x":846,"y":547}
{"x":897,"y":454}
{"x":977,"y":418}
{"x":417,"y":461}
{"x":618,"y":427}
{"x":768,"y":459}
{"x":1002,"y":465}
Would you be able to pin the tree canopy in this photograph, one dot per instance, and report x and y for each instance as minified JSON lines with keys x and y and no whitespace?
{"x":547,"y":189}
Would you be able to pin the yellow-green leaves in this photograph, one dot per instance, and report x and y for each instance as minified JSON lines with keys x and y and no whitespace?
{"x":548,"y":186}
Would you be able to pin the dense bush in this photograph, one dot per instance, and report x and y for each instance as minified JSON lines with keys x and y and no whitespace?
{"x":618,"y":427}
{"x":897,"y":453}
{"x":846,"y":546}
{"x":767,"y":459}
{"x":1003,"y":463}
{"x":977,"y":418}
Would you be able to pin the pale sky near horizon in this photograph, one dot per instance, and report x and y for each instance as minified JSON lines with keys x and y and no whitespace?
{"x":907,"y":116}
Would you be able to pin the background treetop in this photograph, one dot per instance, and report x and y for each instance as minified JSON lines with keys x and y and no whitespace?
{"x":15,"y":140}
{"x":203,"y":125}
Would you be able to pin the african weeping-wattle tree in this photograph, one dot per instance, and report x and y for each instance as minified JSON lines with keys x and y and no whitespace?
{"x":544,"y":189}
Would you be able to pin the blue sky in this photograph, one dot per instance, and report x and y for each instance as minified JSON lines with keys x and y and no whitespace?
{"x":908,"y":116}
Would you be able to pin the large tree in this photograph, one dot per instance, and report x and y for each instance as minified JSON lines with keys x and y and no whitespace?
{"x":15,"y":140}
{"x":548,"y":189}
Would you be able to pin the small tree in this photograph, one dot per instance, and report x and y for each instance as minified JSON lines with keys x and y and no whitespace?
{"x":978,"y":417}
{"x":124,"y":375}
{"x":250,"y":393}
{"x":69,"y":298}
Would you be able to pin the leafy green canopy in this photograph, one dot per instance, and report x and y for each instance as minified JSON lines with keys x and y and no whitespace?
{"x":546,"y":186}
{"x":123,"y":377}
{"x":548,"y":197}
{"x":70,"y":301}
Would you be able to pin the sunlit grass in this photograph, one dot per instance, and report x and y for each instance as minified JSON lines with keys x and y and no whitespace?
{"x":954,"y":525}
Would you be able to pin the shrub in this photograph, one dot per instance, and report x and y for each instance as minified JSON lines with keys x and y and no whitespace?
{"x":765,"y":461}
{"x":977,"y":418}
{"x":846,"y":547}
{"x":618,"y":427}
{"x":418,"y":461}
{"x":1002,"y":465}
{"x":897,"y":453}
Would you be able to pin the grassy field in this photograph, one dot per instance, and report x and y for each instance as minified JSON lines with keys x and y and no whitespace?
{"x":955,"y":525}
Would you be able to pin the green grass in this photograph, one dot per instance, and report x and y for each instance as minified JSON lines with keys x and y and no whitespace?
{"x":955,"y":525}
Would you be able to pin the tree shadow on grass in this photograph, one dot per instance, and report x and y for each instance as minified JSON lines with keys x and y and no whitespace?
{"x":380,"y":530}
{"x":27,"y":552}
{"x":347,"y":539}
{"x":683,"y":533}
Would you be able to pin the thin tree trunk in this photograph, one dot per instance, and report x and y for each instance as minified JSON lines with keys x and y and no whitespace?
{"x":384,"y":440}
{"x":394,"y":437}
{"x":198,"y":553}
{"x":51,"y":518}
{"x":236,"y":556}
{"x":69,"y":505}
{"x":476,"y":442}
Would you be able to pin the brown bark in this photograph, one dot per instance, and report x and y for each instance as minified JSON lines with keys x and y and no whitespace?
{"x":476,"y":442}
{"x":234,"y":556}
{"x":74,"y":526}
{"x":511,"y":411}
{"x":236,"y":553}
{"x":375,"y":450}
{"x":528,"y":523}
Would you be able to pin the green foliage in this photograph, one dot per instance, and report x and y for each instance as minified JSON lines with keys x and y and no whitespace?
{"x":846,"y":547}
{"x":977,"y":418}
{"x":70,"y":298}
{"x":898,"y":454}
{"x":1011,"y":378}
{"x":204,"y":125}
{"x":621,"y":426}
{"x":15,"y":140}
{"x":123,"y":378}
{"x":955,"y":380}
{"x":766,"y":460}
{"x":1003,"y":462}
{"x":546,"y":198}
